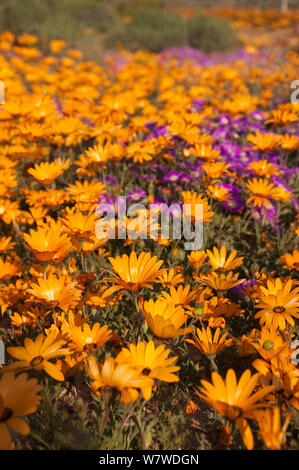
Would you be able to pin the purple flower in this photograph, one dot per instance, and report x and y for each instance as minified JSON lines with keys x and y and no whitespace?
{"x":199,"y":102}
{"x":266,"y":213}
{"x":137,"y":195}
{"x":106,"y":199}
{"x":112,"y":180}
{"x":234,"y":205}
{"x":197,"y":105}
{"x":239,"y":290}
{"x":280,"y":183}
{"x":258,"y":115}
{"x":156,"y":131}
{"x":295,"y":202}
{"x":224,"y":120}
{"x":108,"y":203}
{"x":233,"y":189}
{"x":221,"y":133}
{"x":175,"y":176}
{"x":87,"y":121}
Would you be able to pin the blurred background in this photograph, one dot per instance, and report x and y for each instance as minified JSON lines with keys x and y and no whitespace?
{"x":207,"y":25}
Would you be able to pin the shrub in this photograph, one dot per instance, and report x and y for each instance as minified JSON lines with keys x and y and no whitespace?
{"x":92,"y":14}
{"x":151,"y":30}
{"x":209,"y":33}
{"x":64,"y":19}
{"x":131,"y":6}
{"x":60,"y":26}
{"x":22,"y":16}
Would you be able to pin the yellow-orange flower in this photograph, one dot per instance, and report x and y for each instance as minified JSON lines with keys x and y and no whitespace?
{"x":219,"y":262}
{"x":45,"y":173}
{"x":86,"y":194}
{"x":164,"y":319}
{"x":290,"y":260}
{"x":220,"y":282}
{"x":220,"y":307}
{"x":150,"y":361}
{"x":278,"y":304}
{"x":85,"y":339}
{"x":18,"y":397}
{"x":289,"y":142}
{"x":79,"y":225}
{"x":263,"y":168}
{"x":270,"y":429}
{"x":215,"y":169}
{"x":170,"y":278}
{"x":6,"y":244}
{"x":264,"y":142}
{"x":206,"y":152}
{"x":269,"y":343}
{"x":235,"y":400}
{"x":208,"y":344}
{"x":133,"y":273}
{"x":36,"y":355}
{"x":56,"y":292}
{"x":49,"y":243}
{"x":218,"y":192}
{"x":179,"y":296}
{"x":262,"y":191}
{"x":282,"y":117}
{"x":197,"y":258}
{"x":9,"y":268}
{"x":121,"y":376}
{"x":196,"y":207}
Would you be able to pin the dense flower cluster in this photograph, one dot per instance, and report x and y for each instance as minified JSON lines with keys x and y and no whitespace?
{"x":131,"y":316}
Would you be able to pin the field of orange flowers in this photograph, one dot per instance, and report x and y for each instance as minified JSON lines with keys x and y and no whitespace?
{"x":138,"y":343}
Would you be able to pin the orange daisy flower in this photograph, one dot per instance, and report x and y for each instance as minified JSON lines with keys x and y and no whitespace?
{"x":208,"y":344}
{"x":85,"y":339}
{"x":219,"y":262}
{"x":220,"y":282}
{"x":264,"y":142}
{"x":49,"y":243}
{"x":271,"y":429}
{"x":45,"y":173}
{"x":235,"y":400}
{"x":133,"y":273}
{"x":196,"y":258}
{"x":191,"y":201}
{"x":18,"y":397}
{"x":121,"y":376}
{"x":164,"y":319}
{"x":290,"y":260}
{"x":56,"y":292}
{"x":262,"y":191}
{"x":37,"y":354}
{"x":278,"y":304}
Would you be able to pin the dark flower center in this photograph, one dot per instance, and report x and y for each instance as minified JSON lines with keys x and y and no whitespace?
{"x":36,"y":361}
{"x":279,"y":309}
{"x":7,"y":413}
{"x":233,"y":412}
{"x":90,"y":347}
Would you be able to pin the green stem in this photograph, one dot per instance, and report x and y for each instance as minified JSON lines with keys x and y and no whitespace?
{"x":213,"y":363}
{"x":123,"y":424}
{"x":106,"y":397}
{"x":138,"y":316}
{"x":39,"y":439}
